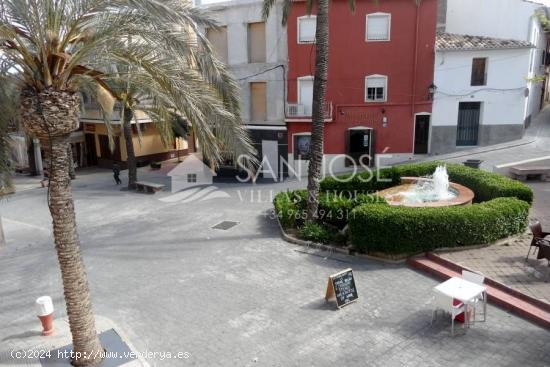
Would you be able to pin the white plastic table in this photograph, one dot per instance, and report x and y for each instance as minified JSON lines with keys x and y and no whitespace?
{"x":464,"y":291}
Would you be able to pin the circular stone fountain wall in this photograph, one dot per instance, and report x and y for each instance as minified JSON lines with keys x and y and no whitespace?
{"x":461,"y":195}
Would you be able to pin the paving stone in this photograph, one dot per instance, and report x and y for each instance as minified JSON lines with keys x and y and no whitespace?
{"x":172,"y":283}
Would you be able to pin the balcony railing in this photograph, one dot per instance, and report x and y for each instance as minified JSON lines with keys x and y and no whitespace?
{"x":300,"y":111}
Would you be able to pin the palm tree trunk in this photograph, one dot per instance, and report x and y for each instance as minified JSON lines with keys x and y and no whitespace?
{"x":51,"y":116}
{"x":131,"y":155}
{"x":75,"y":284}
{"x":72,"y":173}
{"x":318,"y":107}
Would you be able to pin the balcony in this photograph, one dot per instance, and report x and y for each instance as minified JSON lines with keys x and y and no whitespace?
{"x":301,"y":112}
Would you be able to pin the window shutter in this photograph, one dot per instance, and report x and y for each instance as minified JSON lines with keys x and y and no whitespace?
{"x":376,"y":82}
{"x":256,"y":42}
{"x":307,"y":29}
{"x":378,"y":27}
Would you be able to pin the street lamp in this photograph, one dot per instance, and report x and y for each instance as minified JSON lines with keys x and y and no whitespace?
{"x":431,"y":90}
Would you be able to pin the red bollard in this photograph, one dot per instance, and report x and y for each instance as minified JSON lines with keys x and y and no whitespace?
{"x":44,"y":309}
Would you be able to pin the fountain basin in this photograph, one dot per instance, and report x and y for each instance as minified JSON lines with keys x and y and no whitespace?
{"x":460,"y":195}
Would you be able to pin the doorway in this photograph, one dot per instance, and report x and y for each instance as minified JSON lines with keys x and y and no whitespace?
{"x":270,"y":159}
{"x":360,"y":146}
{"x":421,"y":134}
{"x":468,"y":123}
{"x":91,"y":153}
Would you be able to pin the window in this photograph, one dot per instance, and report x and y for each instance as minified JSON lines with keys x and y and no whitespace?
{"x":305,"y":94}
{"x":256,"y":42}
{"x":306,"y":29}
{"x":302,"y":147}
{"x":376,"y":88}
{"x":191,"y":177}
{"x":378,"y":27}
{"x":258,"y":101}
{"x":479,"y":74}
{"x":218,"y":40}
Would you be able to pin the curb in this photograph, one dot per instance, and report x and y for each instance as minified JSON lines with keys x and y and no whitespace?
{"x":498,"y":294}
{"x":494,"y":283}
{"x":488,"y":149}
{"x":345,"y":251}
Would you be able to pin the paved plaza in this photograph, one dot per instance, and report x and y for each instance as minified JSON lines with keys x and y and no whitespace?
{"x":241,"y":297}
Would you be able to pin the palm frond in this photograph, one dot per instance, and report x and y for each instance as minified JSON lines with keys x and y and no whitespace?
{"x":73,"y":44}
{"x":8,"y":122}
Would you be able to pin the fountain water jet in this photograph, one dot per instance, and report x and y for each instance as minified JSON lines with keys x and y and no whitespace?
{"x":431,"y":191}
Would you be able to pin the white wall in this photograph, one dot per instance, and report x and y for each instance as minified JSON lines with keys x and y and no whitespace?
{"x":236,"y":15}
{"x":506,"y":69}
{"x":492,"y":18}
{"x":507,"y":19}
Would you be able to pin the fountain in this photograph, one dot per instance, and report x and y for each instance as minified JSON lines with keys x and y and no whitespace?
{"x":433,"y":191}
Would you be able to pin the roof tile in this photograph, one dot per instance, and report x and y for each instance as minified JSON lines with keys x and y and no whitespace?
{"x":459,"y":42}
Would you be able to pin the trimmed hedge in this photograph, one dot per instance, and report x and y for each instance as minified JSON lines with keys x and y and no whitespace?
{"x":404,"y":230}
{"x":485,"y":185}
{"x":501,"y":210}
{"x":364,"y":182}
{"x":334,"y":209}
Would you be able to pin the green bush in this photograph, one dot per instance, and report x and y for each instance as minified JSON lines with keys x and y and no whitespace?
{"x":501,"y":210}
{"x":364,"y":182}
{"x":290,"y":207}
{"x":317,"y":233}
{"x":404,"y":230}
{"x":335,"y":209}
{"x":485,"y":185}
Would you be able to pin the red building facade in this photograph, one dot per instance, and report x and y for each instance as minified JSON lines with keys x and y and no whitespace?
{"x":381,"y":66}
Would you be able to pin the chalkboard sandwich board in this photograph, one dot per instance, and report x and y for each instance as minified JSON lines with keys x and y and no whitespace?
{"x":341,"y":286}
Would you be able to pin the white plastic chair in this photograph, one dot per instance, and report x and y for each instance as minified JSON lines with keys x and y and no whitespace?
{"x":445,"y":303}
{"x":475,"y":278}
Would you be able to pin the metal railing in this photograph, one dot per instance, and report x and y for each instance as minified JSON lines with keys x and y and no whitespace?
{"x":295,"y":110}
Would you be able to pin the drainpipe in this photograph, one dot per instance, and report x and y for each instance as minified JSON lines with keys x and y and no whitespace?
{"x":413,"y":102}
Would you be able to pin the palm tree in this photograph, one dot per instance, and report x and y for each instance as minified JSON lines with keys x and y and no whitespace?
{"x":138,"y":92}
{"x":319,"y":90}
{"x":8,"y":116}
{"x":55,"y":48}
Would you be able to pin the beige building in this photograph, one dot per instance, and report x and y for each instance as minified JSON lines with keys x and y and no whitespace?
{"x":148,"y":144}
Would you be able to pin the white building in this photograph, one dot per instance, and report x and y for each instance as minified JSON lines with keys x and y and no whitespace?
{"x":256,"y":53}
{"x":487,"y":54}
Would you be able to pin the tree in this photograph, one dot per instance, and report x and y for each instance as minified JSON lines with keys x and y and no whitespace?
{"x":319,"y":90}
{"x":9,"y":122}
{"x":56,"y":48}
{"x":138,"y":92}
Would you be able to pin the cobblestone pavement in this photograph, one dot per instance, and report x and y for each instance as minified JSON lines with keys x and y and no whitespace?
{"x":505,"y":262}
{"x":240,"y":297}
